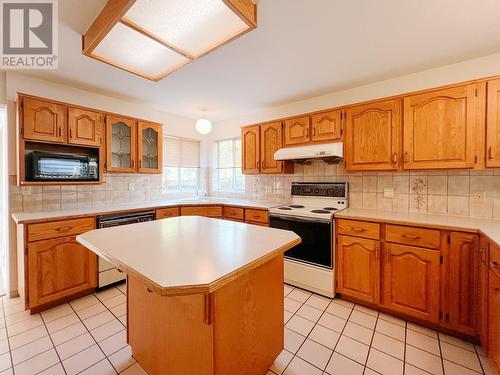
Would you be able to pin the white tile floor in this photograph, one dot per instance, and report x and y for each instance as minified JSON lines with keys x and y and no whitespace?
{"x":322,"y":336}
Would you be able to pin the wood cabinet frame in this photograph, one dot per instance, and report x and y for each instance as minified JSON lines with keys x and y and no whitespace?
{"x":132,"y":124}
{"x":158,"y":129}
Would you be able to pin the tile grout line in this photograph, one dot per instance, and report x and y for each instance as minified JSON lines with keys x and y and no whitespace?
{"x":7,"y":337}
{"x":53,"y":345}
{"x":404,"y":351}
{"x":371,"y":343}
{"x":479,"y":359}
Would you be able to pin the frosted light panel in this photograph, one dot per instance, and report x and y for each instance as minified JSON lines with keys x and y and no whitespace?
{"x":129,"y":49}
{"x":193,"y":26}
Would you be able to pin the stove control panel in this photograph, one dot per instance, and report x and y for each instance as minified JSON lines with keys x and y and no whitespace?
{"x":320,"y":189}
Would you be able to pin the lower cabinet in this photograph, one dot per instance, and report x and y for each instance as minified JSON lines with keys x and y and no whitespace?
{"x":210,"y":211}
{"x":484,"y":248}
{"x":358,"y":268}
{"x":410,"y":281}
{"x":58,"y":268}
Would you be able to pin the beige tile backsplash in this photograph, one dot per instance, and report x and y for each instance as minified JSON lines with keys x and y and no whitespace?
{"x":439,"y":192}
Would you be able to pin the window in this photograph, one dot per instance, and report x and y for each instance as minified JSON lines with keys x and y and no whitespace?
{"x":181,"y":164}
{"x":228,"y":171}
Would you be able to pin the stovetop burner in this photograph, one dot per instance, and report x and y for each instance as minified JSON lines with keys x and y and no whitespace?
{"x":285,"y":208}
{"x":330,"y":208}
{"x":296,"y":206}
{"x":320,"y":211}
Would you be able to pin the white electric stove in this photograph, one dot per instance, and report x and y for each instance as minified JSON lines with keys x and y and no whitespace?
{"x":310,"y":265}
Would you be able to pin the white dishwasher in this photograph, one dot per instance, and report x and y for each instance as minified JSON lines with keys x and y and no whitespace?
{"x":109,"y":274}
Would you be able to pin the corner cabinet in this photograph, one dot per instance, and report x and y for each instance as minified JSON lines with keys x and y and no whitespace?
{"x":493,"y":125}
{"x":150,"y":149}
{"x":121,"y":140}
{"x":373,"y":136}
{"x":43,"y":121}
{"x":444,"y":128}
{"x":259,"y":143}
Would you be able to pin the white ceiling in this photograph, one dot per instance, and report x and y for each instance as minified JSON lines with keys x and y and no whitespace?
{"x":301,"y":48}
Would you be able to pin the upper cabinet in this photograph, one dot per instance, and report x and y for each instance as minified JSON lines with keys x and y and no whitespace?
{"x":297,"y":131}
{"x":43,"y":121}
{"x":250,"y":153}
{"x":149,"y":147}
{"x":120,"y":144}
{"x":442,"y":128}
{"x":85,"y":127}
{"x":372,"y":138}
{"x":259,"y":143}
{"x":493,"y":125}
{"x":326,"y":126}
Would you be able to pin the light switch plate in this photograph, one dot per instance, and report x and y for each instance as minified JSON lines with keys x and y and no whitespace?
{"x":131,"y":186}
{"x":388,"y":193}
{"x":478,"y":197}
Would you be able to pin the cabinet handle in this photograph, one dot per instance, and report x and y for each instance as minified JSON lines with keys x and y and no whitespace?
{"x":495,"y":265}
{"x":60,"y":132}
{"x":63,"y":229}
{"x":307,"y":133}
{"x":410,"y":236}
{"x":354,"y":229}
{"x":314,"y":131}
{"x":70,"y":133}
{"x":132,"y":163}
{"x":406,"y":156}
{"x":394,"y":158}
{"x":490,"y":153}
{"x":149,"y":290}
{"x":482,"y":252}
{"x":140,"y":164}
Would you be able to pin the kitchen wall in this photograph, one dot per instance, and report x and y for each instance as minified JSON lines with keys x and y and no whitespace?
{"x":451,"y":192}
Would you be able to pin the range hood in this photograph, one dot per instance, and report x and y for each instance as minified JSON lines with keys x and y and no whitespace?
{"x":328,"y":152}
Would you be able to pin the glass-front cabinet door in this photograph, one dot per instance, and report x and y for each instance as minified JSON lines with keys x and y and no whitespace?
{"x":150,"y":147}
{"x":120,"y":144}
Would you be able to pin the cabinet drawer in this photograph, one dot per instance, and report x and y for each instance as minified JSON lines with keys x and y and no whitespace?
{"x":54,"y":229}
{"x":257,"y":216}
{"x":163,"y":213}
{"x":413,"y":236}
{"x":236,"y":213}
{"x":212,"y":211}
{"x":495,"y":259}
{"x":359,"y":228}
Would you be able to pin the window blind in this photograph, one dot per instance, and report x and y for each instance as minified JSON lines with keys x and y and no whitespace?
{"x":180,"y":152}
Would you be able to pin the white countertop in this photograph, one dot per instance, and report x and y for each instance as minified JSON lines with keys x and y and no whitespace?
{"x":22,"y":217}
{"x":488,"y":227}
{"x":189,"y":254}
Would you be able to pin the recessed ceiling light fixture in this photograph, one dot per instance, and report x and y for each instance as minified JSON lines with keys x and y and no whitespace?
{"x":203,"y":125}
{"x":153,"y":38}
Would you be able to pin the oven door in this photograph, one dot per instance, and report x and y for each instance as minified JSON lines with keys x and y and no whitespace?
{"x":316,"y":235}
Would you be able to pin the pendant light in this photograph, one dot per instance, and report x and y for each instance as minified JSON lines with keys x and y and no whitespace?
{"x":203,"y":125}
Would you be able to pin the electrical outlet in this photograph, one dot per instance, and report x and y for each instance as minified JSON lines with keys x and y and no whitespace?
{"x":388,"y":193}
{"x":26,"y":190}
{"x":478,"y":197}
{"x":131,"y":186}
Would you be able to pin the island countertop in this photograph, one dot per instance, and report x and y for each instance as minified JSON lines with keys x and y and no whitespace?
{"x":188,"y":254}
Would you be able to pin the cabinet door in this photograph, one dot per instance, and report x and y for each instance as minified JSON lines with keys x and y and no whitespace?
{"x":85,"y":127}
{"x":250,"y":143}
{"x":484,"y":248}
{"x":150,"y":147}
{"x":326,"y":126}
{"x":493,"y":125}
{"x":411,"y":281}
{"x":270,"y":136}
{"x":442,"y":128}
{"x":358,"y":268}
{"x":372,"y":137}
{"x":120,"y":144}
{"x":44,"y":121}
{"x":297,"y":131}
{"x":462,"y":282}
{"x":59,"y":268}
{"x":494,"y":311}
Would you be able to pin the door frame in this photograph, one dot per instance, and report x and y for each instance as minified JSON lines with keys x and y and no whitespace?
{"x":4,"y":199}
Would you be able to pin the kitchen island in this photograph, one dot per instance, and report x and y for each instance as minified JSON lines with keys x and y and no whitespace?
{"x":205,"y":296}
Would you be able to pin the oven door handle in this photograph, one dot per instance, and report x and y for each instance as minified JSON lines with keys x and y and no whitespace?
{"x":301,"y":219}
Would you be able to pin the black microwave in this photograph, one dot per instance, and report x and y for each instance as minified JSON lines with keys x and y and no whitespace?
{"x":51,"y":166}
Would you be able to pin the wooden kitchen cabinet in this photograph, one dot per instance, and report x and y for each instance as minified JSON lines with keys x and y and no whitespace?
{"x":411,"y":281}
{"x":150,"y":150}
{"x":121,"y":141}
{"x":163,"y":213}
{"x":59,"y":268}
{"x":443,"y":128}
{"x":271,"y":136}
{"x":494,"y":306}
{"x":358,"y":268}
{"x":326,"y":126}
{"x":493,"y":124}
{"x":373,"y":136}
{"x":462,"y":282}
{"x":297,"y":131}
{"x":43,"y":120}
{"x":209,"y":211}
{"x":484,"y":248}
{"x":250,"y":152}
{"x":85,"y":127}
